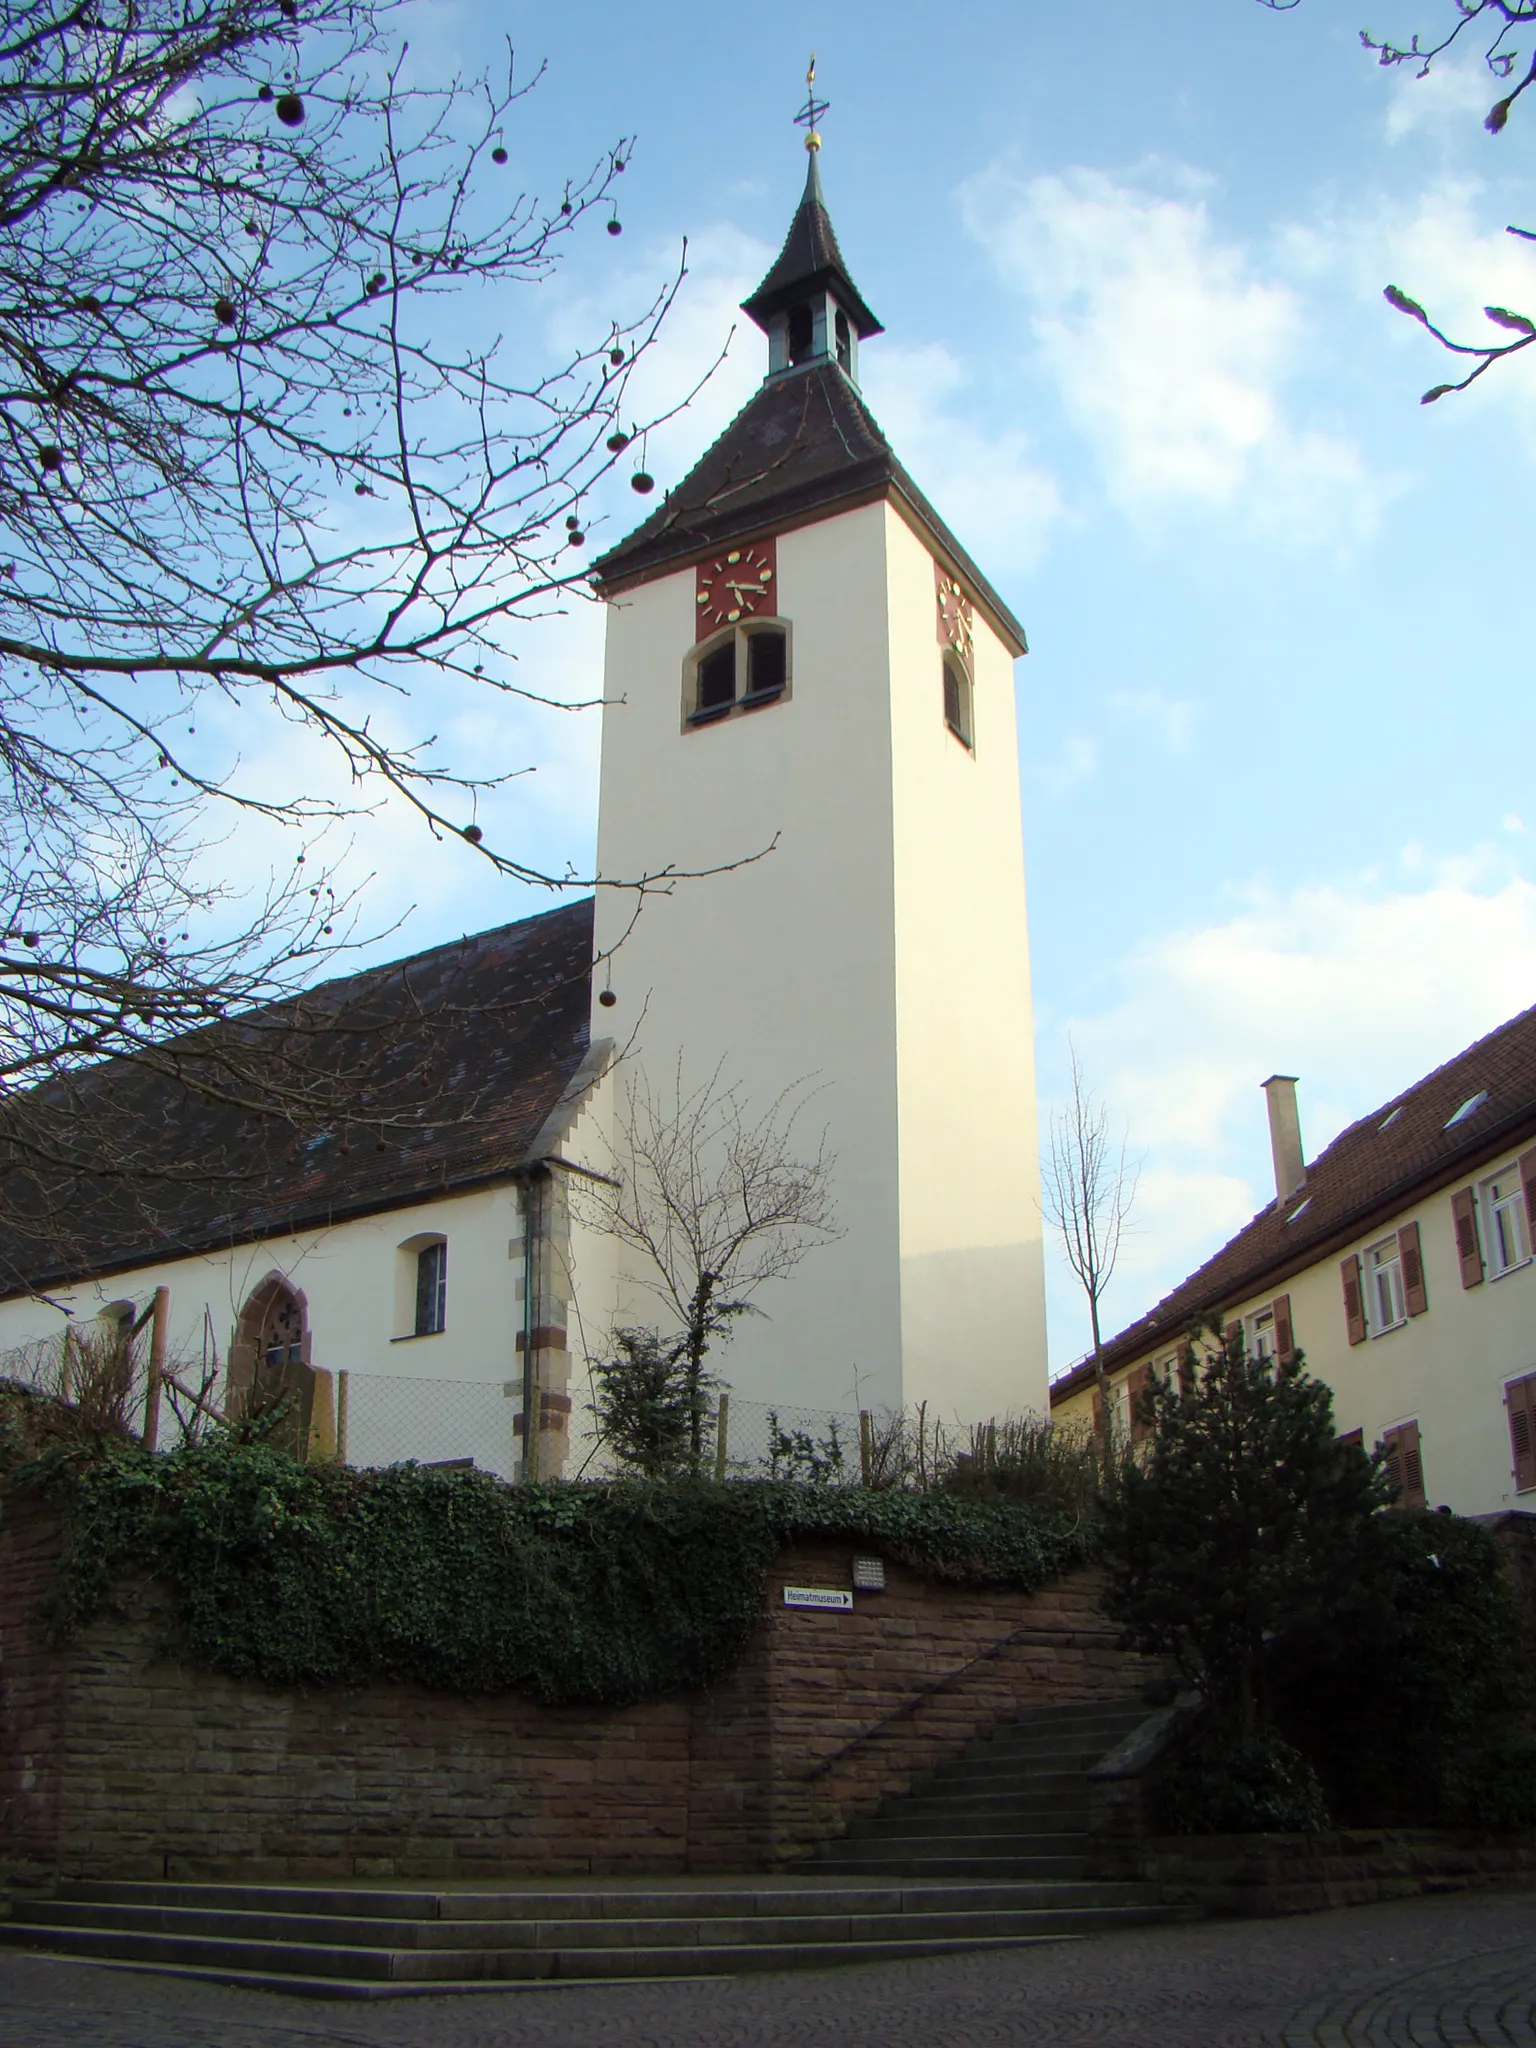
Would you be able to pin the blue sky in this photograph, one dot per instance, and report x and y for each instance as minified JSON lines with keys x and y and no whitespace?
{"x":1278,"y":718}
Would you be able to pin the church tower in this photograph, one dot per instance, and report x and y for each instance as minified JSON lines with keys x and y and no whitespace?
{"x":804,"y":664}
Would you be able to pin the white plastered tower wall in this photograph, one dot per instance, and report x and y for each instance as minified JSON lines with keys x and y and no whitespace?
{"x":878,"y":954}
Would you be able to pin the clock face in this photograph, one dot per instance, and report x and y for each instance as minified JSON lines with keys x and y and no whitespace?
{"x":738,"y":584}
{"x":955,"y":615}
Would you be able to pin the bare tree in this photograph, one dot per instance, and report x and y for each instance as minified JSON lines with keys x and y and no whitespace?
{"x":717,"y":1203}
{"x":264,"y":450}
{"x":1089,"y":1188}
{"x":1499,"y":25}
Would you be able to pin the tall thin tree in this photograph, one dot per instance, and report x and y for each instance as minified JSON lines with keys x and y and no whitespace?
{"x":1089,"y":1187}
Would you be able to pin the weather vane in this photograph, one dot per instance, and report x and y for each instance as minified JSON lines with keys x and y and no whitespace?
{"x":813,"y":109}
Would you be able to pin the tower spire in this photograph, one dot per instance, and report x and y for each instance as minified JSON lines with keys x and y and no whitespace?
{"x":812,"y":111}
{"x":808,"y":305}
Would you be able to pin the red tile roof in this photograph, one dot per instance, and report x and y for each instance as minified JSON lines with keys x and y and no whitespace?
{"x":1398,"y":1154}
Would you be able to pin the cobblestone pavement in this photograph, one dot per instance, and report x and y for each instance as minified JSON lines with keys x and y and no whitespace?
{"x":1424,"y":1973}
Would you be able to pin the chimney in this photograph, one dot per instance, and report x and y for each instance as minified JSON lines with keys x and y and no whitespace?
{"x":1285,"y":1136}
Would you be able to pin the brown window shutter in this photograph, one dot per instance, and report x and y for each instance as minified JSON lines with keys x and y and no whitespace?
{"x":1405,"y":1464}
{"x":1354,"y":1308}
{"x":1464,"y":1215}
{"x":1413,"y":1269}
{"x":1186,"y":1368}
{"x":1136,"y":1385}
{"x":1285,"y":1342}
{"x":1520,"y":1398}
{"x":1231,"y":1334}
{"x":1528,"y":1182}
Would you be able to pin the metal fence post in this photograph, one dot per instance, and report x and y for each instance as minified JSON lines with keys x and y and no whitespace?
{"x":722,"y":1422}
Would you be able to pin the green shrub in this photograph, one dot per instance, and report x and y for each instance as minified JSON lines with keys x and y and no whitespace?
{"x":321,"y":1575}
{"x":1410,"y":1673}
{"x":1220,"y":1786}
{"x":1026,"y":1458}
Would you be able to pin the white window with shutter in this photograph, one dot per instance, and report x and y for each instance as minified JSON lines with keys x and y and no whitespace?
{"x":1262,"y":1340}
{"x":1506,"y":1233}
{"x":1385,"y":1306}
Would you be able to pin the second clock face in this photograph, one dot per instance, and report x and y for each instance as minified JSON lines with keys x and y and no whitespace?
{"x":738,"y":584}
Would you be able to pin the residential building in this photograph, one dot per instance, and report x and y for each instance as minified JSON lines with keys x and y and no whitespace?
{"x":1399,"y":1264}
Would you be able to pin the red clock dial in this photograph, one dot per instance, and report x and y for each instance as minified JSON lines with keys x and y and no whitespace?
{"x":738,"y":584}
{"x":956,"y":617}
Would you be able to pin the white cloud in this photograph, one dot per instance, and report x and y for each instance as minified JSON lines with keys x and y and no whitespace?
{"x":1169,"y":350}
{"x":1360,"y":987}
{"x":984,"y":480}
{"x":1170,"y":720}
{"x":1450,"y":98}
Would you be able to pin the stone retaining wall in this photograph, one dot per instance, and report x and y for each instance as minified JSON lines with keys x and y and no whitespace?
{"x":1266,"y":1874}
{"x":117,"y":1762}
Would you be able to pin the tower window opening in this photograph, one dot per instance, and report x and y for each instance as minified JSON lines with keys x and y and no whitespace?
{"x":717,"y":678}
{"x":767,"y":662}
{"x":957,"y":700}
{"x":432,"y":1289}
{"x":802,"y":328}
{"x":844,"y":342}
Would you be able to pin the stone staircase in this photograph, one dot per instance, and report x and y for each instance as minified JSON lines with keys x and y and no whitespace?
{"x":1014,"y":1805}
{"x":990,"y":1852}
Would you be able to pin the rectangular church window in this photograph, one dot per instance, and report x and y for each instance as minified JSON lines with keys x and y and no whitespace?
{"x":767,"y":663}
{"x":717,"y":678}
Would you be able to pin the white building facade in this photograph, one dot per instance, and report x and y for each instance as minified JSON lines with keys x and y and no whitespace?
{"x":810,"y":760}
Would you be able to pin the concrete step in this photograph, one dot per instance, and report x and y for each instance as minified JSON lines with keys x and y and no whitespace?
{"x":571,"y":1968}
{"x":921,"y":1859}
{"x":973,"y":1826}
{"x":792,"y":1892}
{"x":414,"y":1948}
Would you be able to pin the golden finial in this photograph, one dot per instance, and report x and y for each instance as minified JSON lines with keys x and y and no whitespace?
{"x":813,"y":109}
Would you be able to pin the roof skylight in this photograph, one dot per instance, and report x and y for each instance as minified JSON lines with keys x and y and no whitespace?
{"x":1470,"y":1107}
{"x":1392,"y":1119}
{"x":1299,"y":1208}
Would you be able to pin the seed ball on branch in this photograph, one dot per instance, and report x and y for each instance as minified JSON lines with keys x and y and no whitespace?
{"x":264,"y":92}
{"x":616,"y":357}
{"x":617,"y":443}
{"x":615,"y":227}
{"x":643,"y":482}
{"x":473,"y":834}
{"x":224,"y":312}
{"x":498,"y":156}
{"x":290,"y":110}
{"x":50,"y":459}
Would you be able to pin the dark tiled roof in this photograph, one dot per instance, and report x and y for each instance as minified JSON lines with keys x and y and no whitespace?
{"x":810,"y":259}
{"x":804,"y":444}
{"x":464,"y":1053}
{"x":1399,"y":1153}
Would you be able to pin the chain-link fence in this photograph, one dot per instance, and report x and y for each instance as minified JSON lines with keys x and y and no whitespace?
{"x":385,"y":1420}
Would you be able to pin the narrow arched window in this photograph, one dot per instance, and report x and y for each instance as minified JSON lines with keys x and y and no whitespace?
{"x":802,"y":331}
{"x":844,"y":342}
{"x":957,"y":699}
{"x":432,"y":1289}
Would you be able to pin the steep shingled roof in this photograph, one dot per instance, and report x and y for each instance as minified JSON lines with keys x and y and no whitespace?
{"x":809,"y":260}
{"x":1398,"y":1154}
{"x":805,"y":443}
{"x":466,"y":1051}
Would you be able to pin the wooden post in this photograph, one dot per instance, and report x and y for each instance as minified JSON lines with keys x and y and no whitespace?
{"x":866,"y":1446}
{"x":161,"y":1316}
{"x":341,"y":1416}
{"x":67,"y":1364}
{"x":722,"y":1424}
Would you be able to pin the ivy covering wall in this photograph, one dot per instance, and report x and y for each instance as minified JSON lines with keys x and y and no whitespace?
{"x":596,"y":1594}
